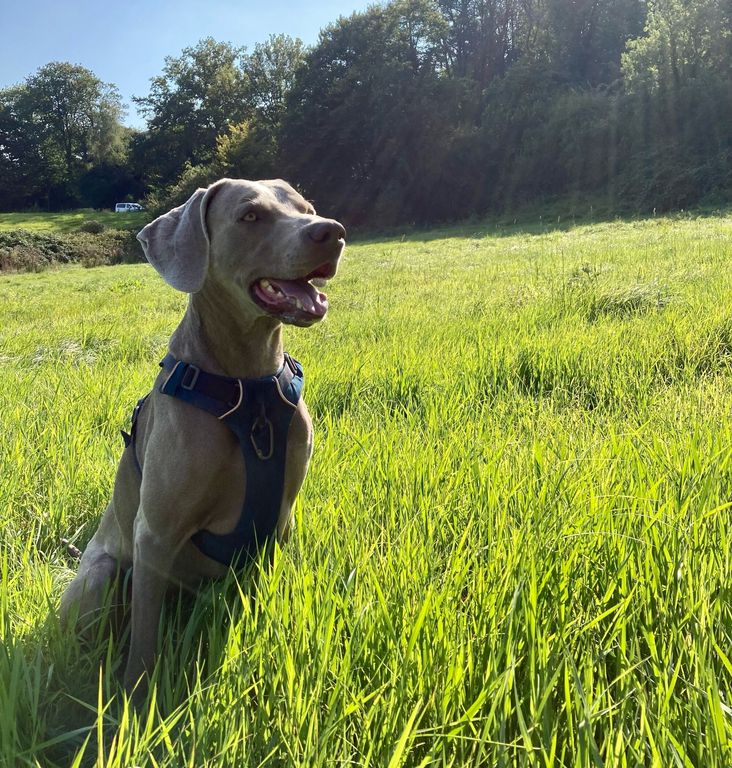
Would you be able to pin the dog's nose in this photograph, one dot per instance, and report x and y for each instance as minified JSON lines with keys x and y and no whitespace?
{"x":326,"y":231}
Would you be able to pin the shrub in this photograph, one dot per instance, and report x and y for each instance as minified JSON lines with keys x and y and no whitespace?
{"x":92,"y":227}
{"x":25,"y":251}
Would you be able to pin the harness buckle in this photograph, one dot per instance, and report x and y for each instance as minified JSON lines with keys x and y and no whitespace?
{"x":189,"y":382}
{"x":262,"y":425}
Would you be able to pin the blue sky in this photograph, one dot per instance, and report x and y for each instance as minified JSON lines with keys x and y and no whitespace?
{"x":125,"y":41}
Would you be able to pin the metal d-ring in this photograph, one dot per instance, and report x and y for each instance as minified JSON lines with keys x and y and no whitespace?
{"x":259,"y":423}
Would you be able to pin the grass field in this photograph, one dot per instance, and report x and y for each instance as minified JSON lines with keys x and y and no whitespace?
{"x":513,"y":546}
{"x":71,"y":221}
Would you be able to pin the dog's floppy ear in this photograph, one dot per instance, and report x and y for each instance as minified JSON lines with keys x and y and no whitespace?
{"x":177,"y":242}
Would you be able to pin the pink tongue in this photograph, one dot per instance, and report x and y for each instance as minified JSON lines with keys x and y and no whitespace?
{"x":311,"y":299}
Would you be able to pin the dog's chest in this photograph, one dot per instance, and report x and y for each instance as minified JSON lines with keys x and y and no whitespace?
{"x":258,"y":413}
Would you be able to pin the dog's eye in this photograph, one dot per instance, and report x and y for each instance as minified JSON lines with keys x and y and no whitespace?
{"x":249,"y":216}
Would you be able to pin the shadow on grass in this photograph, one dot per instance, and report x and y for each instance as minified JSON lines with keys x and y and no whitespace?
{"x":67,"y":691}
{"x":532,"y":222}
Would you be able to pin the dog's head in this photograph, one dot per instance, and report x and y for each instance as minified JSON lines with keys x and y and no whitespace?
{"x":259,"y":238}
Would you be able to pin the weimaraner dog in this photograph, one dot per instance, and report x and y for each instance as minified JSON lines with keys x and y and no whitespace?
{"x":220,"y":447}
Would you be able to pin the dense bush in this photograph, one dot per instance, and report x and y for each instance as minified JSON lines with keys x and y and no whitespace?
{"x":22,"y":250}
{"x":92,"y":227}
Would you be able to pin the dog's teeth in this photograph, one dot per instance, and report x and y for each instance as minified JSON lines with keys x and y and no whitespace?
{"x":298,"y":304}
{"x":268,"y":287}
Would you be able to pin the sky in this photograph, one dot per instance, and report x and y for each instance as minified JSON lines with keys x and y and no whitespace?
{"x":125,"y":41}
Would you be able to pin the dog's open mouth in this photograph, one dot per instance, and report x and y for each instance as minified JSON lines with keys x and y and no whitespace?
{"x":297,"y":301}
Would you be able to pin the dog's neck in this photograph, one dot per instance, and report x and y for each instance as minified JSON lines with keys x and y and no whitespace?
{"x":221,"y":336}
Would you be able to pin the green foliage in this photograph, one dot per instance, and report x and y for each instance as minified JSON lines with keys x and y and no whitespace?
{"x":247,"y":150}
{"x":584,"y":39}
{"x":216,"y":106}
{"x":513,"y":543}
{"x":682,"y":41}
{"x":197,"y":97}
{"x":29,"y":165}
{"x":163,"y":199}
{"x":270,"y":71}
{"x":530,"y":108}
{"x":361,"y":120}
{"x":27,"y":251}
{"x":105,"y":184}
{"x":410,"y":111}
{"x":62,"y":121}
{"x":92,"y":226}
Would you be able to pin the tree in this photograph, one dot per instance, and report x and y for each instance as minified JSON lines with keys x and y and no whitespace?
{"x":682,"y":41}
{"x":77,"y":111}
{"x":28,"y":165}
{"x":194,"y":101}
{"x":362,"y":111}
{"x":677,"y":76}
{"x":55,"y":126}
{"x":105,"y":184}
{"x":248,"y":150}
{"x":585,"y":38}
{"x":271,"y":70}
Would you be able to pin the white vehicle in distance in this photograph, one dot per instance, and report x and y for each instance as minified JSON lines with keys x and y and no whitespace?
{"x":127,"y":207}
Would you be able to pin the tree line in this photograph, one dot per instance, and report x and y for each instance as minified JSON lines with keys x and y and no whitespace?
{"x":411,"y":111}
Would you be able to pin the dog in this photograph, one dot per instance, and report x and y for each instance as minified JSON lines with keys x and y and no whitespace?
{"x":220,"y":447}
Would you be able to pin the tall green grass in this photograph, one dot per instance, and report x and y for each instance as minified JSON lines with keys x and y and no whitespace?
{"x":513,"y":545}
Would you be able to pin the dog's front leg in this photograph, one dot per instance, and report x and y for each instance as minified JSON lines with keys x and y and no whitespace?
{"x":154,"y":553}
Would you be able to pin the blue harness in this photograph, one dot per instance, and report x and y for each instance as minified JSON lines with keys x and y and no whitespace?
{"x":258,"y":412}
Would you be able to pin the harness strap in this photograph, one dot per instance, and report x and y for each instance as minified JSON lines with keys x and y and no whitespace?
{"x":258,"y":412}
{"x":221,"y":395}
{"x":130,"y":437}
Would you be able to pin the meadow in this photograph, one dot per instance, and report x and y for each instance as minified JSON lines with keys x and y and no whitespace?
{"x":70,"y":221}
{"x":513,"y":546}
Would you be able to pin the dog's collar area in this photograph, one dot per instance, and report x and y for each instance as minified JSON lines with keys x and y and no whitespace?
{"x":223,"y":395}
